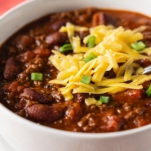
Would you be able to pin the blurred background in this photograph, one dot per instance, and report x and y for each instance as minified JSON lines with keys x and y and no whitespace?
{"x":7,"y":4}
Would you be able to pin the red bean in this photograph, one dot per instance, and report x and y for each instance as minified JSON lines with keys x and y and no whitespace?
{"x":59,"y":23}
{"x":101,"y":18}
{"x":34,"y":95}
{"x":98,"y":19}
{"x":12,"y":68}
{"x":42,"y":52}
{"x":57,"y":38}
{"x":24,"y":41}
{"x":26,"y":56}
{"x":44,"y":113}
{"x":14,"y":87}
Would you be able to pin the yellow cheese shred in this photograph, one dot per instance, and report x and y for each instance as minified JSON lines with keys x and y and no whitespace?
{"x":112,"y":52}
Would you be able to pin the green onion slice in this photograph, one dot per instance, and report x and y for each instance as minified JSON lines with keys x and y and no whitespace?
{"x":104,"y":99}
{"x":65,"y":48}
{"x":138,"y":46}
{"x":91,"y":41}
{"x":36,"y":76}
{"x":87,"y":59}
{"x":148,"y":91}
{"x":90,"y":57}
{"x":86,"y":79}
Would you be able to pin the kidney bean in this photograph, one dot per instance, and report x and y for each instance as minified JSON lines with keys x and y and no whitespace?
{"x":24,"y":41}
{"x":26,"y":56}
{"x":59,"y":23}
{"x":101,"y":18}
{"x":44,"y":113}
{"x":98,"y":19}
{"x":42,"y":52}
{"x":12,"y":68}
{"x":57,"y":38}
{"x":34,"y":95}
{"x":14,"y":87}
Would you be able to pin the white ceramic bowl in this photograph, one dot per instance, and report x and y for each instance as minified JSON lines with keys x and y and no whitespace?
{"x":24,"y":135}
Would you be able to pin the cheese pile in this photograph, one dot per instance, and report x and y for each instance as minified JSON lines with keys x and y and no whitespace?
{"x":112,"y":50}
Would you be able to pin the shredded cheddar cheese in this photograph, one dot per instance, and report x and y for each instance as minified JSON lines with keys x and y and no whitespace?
{"x":112,"y":51}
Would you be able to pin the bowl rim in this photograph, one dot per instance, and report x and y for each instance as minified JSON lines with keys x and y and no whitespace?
{"x":46,"y":129}
{"x":14,"y":8}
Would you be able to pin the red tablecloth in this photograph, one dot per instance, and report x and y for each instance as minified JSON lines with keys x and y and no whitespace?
{"x":7,"y":4}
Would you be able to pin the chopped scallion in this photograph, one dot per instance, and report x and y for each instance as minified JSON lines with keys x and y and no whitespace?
{"x":90,"y":57}
{"x":148,"y":91}
{"x":91,"y":41}
{"x":138,"y":46}
{"x":36,"y":76}
{"x":87,"y":59}
{"x":86,"y":79}
{"x":104,"y":99}
{"x":65,"y":48}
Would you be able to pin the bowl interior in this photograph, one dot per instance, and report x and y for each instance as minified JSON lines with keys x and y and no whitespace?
{"x":24,"y":13}
{"x":28,"y":11}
